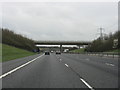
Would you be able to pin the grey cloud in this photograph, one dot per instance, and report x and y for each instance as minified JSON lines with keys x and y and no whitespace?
{"x":58,"y":21}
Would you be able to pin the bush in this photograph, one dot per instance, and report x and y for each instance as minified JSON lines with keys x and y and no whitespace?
{"x":17,"y":40}
{"x":99,"y":45}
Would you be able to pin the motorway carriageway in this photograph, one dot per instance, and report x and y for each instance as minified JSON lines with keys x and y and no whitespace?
{"x":60,"y":71}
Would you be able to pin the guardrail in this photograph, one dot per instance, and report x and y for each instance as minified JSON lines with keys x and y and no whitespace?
{"x":101,"y":54}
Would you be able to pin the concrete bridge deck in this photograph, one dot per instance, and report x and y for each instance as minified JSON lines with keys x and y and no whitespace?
{"x":63,"y":42}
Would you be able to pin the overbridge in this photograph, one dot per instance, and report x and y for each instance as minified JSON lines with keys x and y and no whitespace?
{"x":62,"y":43}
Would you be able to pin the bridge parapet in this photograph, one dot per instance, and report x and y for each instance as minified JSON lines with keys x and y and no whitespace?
{"x":63,"y":42}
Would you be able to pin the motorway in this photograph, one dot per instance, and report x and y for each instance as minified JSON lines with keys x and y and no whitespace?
{"x":61,"y":71}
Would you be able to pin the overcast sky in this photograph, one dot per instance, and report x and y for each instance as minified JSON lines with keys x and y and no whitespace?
{"x":60,"y":21}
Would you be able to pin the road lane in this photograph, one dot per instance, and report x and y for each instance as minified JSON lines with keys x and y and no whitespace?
{"x":99,"y":75}
{"x":45,"y":72}
{"x":19,"y":67}
{"x":63,"y":71}
{"x":9,"y":65}
{"x":95,"y":58}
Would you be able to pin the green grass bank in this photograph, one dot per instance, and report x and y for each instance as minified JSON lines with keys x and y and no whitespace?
{"x":78,"y":50}
{"x":10,"y":53}
{"x":114,"y":51}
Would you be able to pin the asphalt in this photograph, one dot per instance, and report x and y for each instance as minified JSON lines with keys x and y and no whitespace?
{"x":62,"y":71}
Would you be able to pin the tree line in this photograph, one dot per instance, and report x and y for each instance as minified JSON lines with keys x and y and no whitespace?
{"x":11,"y":38}
{"x":106,"y":44}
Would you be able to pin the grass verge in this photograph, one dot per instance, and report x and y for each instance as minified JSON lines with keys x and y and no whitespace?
{"x":10,"y":53}
{"x":114,"y":51}
{"x":78,"y":50}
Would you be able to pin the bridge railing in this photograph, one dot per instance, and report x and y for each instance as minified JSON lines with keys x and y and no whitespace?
{"x":63,"y":42}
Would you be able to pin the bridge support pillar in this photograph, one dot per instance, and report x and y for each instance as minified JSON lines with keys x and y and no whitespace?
{"x":79,"y":46}
{"x":61,"y":48}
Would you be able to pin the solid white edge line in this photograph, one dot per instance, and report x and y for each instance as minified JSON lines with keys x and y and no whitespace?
{"x":66,"y":65}
{"x":86,"y":84}
{"x":19,"y":67}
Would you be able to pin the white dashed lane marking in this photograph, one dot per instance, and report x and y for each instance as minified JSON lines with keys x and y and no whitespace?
{"x":87,"y":59}
{"x":66,"y":65}
{"x":109,"y":64}
{"x":60,"y":59}
{"x":88,"y":85}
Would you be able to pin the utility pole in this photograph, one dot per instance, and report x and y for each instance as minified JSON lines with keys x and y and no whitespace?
{"x":101,"y":32}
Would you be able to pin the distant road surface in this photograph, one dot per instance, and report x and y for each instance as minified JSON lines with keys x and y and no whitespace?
{"x":61,"y":71}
